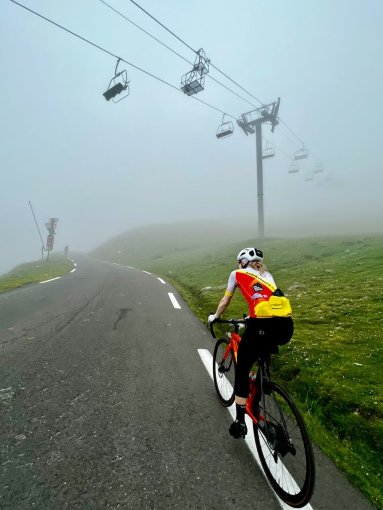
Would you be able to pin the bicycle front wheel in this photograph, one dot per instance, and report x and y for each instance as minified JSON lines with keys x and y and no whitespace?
{"x":284,"y":447}
{"x":224,"y":372}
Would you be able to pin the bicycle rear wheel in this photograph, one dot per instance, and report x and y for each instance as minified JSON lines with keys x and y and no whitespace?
{"x":284,"y":447}
{"x":224,"y":372}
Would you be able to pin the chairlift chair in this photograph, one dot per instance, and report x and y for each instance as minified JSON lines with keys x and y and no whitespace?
{"x":301,"y":153}
{"x":318,"y":169}
{"x":117,"y":84}
{"x":225,"y":128}
{"x":268,"y":151}
{"x":194,"y":81}
{"x":294,"y":168}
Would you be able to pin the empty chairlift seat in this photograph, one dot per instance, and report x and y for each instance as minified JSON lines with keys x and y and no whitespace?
{"x":119,"y":83}
{"x":225,"y":128}
{"x":293,"y":169}
{"x":301,"y":153}
{"x":268,"y":151}
{"x":194,"y":81}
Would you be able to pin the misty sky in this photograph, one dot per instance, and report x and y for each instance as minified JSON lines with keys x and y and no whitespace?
{"x":102,"y":168}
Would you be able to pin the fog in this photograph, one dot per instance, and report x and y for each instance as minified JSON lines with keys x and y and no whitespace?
{"x":102,"y":168}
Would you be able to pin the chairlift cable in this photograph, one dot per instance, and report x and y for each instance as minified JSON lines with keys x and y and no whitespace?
{"x":291,"y":131}
{"x":238,"y":85}
{"x":196,"y":52}
{"x":66,"y":29}
{"x":297,"y":137}
{"x":278,"y":148}
{"x":171,"y":49}
{"x":163,"y":26}
{"x":115,"y":56}
{"x":146,"y":32}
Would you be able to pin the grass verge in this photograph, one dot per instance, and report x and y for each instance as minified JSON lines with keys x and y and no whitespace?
{"x":34,"y":272}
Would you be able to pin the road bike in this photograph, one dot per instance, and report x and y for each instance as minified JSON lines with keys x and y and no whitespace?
{"x":281,"y":438}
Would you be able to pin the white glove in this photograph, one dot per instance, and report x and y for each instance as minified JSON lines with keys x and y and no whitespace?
{"x":211,"y":318}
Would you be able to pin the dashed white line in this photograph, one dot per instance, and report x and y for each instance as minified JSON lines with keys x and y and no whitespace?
{"x":73,"y":270}
{"x":207,"y":360}
{"x":161,"y":280}
{"x":173,"y":300}
{"x":51,"y":280}
{"x":147,"y":272}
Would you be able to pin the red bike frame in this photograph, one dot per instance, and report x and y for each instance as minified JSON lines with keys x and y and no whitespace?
{"x":254,"y":390}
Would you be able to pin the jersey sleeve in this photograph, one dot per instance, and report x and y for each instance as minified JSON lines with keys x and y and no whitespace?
{"x":231,"y":284}
{"x":269,"y":277}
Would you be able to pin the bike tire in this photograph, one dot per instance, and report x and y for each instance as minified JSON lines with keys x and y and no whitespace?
{"x":224,"y":372}
{"x":284,"y":447}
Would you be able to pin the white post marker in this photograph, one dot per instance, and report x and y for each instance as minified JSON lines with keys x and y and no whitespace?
{"x":173,"y":300}
{"x":207,"y":360}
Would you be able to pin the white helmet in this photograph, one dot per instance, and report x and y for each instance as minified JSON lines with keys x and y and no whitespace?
{"x":250,"y":254}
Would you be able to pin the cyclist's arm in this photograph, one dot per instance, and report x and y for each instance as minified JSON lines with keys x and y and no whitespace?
{"x":225,"y":301}
{"x":223,"y":304}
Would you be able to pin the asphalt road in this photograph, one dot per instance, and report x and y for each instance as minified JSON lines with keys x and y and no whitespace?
{"x":105,"y":403}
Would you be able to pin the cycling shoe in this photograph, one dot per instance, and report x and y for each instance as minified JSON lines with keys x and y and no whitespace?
{"x":238,"y":429}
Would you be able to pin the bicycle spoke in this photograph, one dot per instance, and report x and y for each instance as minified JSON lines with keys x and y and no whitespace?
{"x":284,"y":448}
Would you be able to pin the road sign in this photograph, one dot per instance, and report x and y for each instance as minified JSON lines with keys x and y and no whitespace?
{"x":50,"y":240}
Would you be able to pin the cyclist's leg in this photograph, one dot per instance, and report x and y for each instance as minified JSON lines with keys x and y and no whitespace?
{"x":248,"y":350}
{"x":245,"y":360}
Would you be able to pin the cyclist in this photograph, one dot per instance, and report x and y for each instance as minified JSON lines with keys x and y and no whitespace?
{"x":268,"y":324}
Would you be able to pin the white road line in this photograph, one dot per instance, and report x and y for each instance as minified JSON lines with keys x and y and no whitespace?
{"x":173,"y":300}
{"x":73,"y":270}
{"x":51,"y":280}
{"x":161,"y":280}
{"x":147,"y":272}
{"x":207,"y":360}
{"x":75,"y":265}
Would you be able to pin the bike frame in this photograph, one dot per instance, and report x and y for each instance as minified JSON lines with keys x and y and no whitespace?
{"x":255,"y":388}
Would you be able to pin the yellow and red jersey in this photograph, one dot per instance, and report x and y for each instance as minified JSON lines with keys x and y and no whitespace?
{"x":255,"y":287}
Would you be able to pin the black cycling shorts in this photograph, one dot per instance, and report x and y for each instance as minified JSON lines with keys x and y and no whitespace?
{"x":262,"y":336}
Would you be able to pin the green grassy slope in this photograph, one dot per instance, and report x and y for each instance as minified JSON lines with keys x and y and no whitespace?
{"x":33,"y":272}
{"x":333,"y":364}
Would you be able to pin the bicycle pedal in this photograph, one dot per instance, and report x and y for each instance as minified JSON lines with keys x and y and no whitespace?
{"x":238,"y":430}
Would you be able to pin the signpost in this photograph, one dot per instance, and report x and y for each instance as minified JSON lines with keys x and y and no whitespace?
{"x":51,"y":227}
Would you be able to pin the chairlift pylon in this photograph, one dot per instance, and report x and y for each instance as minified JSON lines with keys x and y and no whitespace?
{"x":293,"y":169}
{"x":117,"y":86}
{"x":268,"y":151}
{"x":225,"y":128}
{"x":301,"y":153}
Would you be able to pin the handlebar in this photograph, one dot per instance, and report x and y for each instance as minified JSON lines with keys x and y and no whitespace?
{"x":234,"y":322}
